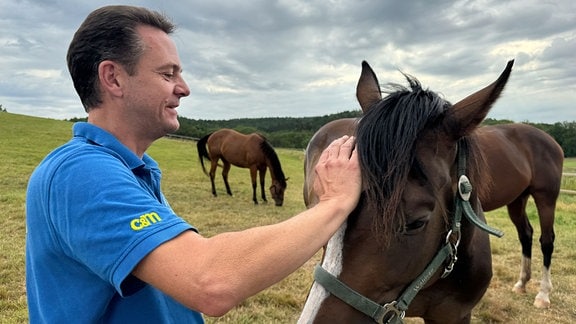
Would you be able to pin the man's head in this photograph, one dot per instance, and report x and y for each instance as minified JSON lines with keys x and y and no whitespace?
{"x":108,"y":33}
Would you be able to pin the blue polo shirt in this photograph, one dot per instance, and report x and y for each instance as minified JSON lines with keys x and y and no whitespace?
{"x":94,"y":210}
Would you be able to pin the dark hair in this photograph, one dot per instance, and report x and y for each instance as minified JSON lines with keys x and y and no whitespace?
{"x":108,"y":33}
{"x":386,"y":142}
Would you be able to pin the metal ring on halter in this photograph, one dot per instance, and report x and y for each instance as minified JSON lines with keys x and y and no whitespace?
{"x":453,"y":247}
{"x":455,"y":243}
{"x":390,"y":312}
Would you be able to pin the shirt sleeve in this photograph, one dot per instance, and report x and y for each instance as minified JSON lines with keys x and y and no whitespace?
{"x":107,"y":219}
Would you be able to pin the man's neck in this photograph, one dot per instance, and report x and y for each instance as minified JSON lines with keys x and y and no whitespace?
{"x":121,"y":130}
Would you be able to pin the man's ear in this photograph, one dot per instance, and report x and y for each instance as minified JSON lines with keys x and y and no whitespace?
{"x":110,"y":77}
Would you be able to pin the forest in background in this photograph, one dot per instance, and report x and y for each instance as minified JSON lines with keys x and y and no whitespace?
{"x":295,"y":132}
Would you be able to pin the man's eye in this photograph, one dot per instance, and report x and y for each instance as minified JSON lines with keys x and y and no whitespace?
{"x":167,"y":75}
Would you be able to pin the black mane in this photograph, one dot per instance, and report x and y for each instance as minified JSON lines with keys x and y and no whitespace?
{"x":275,"y":166}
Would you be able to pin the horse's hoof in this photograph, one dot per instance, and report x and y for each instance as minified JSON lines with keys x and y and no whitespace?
{"x":542,"y":301}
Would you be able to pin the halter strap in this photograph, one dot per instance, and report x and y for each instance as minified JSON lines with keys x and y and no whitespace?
{"x":394,"y":311}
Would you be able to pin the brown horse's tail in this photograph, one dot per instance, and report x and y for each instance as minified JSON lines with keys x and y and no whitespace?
{"x":203,"y":151}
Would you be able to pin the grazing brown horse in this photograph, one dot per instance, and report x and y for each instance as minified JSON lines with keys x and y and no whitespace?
{"x":524,"y":161}
{"x":417,"y":243}
{"x":251,"y":151}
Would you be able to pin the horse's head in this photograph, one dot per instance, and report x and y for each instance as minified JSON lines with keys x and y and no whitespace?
{"x":279,"y":183}
{"x":277,"y":191}
{"x":408,"y":146}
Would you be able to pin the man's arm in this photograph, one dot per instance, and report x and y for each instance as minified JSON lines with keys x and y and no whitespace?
{"x":212,"y":275}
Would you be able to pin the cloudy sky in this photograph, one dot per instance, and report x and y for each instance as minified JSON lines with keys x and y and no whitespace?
{"x":280,"y":58}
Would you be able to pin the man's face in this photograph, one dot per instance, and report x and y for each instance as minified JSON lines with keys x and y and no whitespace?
{"x":155,"y":89}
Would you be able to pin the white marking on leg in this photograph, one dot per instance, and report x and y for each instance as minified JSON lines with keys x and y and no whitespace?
{"x":332,"y":263}
{"x":525,"y":275}
{"x":542,"y":300}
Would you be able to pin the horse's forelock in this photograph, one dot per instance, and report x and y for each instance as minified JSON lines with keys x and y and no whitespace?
{"x":386,"y":138}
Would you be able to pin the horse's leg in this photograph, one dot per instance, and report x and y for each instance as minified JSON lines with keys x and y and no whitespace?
{"x":253,"y":173}
{"x":213,"y":166}
{"x":262,"y":181}
{"x":546,"y":206}
{"x":517,"y":213}
{"x":225,"y":170}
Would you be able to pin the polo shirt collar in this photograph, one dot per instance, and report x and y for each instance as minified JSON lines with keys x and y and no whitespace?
{"x":103,"y":138}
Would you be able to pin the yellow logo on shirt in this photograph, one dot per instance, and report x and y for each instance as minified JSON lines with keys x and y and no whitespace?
{"x":144,"y":221}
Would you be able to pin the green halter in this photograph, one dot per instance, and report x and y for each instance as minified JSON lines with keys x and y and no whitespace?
{"x":394,"y":311}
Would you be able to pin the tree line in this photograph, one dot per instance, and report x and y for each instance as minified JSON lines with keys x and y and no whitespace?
{"x":295,"y":132}
{"x":286,"y":132}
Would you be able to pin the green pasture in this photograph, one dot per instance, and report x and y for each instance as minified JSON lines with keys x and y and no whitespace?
{"x":570,"y":165}
{"x":24,"y":141}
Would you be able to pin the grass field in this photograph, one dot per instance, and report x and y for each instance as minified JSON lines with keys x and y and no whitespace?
{"x":24,"y":141}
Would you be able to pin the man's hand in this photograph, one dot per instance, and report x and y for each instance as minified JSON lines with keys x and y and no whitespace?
{"x":338,"y":176}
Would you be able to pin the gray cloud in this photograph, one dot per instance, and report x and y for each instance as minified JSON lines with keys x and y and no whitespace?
{"x":302,"y":58}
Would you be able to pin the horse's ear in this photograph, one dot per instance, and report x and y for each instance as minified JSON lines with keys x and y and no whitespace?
{"x":468,"y":113}
{"x":368,"y":90}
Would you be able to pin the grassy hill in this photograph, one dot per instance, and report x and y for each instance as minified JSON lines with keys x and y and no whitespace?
{"x":24,"y":141}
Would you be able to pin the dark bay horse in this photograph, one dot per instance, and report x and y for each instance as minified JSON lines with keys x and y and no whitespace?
{"x":524,"y":161}
{"x":418,"y":236}
{"x":251,"y":151}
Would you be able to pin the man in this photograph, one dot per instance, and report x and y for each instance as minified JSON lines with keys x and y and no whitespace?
{"x":103,"y":245}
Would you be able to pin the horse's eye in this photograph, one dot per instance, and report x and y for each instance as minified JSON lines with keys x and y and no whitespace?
{"x":415,"y":226}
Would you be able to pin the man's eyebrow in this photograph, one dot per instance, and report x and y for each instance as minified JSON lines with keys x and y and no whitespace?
{"x":174,"y":67}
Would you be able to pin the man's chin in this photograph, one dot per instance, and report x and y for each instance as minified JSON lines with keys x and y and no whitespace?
{"x":172,"y":124}
{"x":173,"y":127}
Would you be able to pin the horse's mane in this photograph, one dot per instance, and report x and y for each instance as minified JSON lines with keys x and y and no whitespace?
{"x":275,"y":166}
{"x":386,"y":138}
